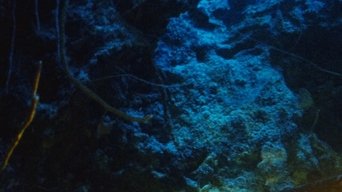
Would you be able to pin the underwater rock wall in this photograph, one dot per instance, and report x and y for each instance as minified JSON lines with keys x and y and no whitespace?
{"x":245,"y":95}
{"x":232,"y":101}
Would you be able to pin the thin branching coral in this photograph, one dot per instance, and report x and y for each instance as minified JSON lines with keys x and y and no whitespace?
{"x":29,"y":119}
{"x":61,"y":17}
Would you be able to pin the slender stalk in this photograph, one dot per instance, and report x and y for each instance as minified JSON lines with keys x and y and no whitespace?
{"x":28,"y":121}
{"x":36,"y":14}
{"x":12,"y":47}
{"x":61,"y":14}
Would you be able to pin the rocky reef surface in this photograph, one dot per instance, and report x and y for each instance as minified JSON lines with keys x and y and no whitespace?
{"x":242,"y":96}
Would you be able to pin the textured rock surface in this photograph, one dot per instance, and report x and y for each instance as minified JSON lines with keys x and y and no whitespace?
{"x":245,"y":95}
{"x":233,"y":103}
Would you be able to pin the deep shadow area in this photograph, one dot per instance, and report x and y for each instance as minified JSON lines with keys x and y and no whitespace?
{"x":318,"y":70}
